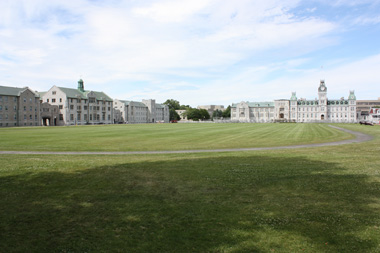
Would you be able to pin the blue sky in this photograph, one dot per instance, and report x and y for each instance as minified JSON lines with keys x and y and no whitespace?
{"x":196,"y":51}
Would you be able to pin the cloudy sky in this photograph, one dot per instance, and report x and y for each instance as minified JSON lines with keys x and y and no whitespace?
{"x":196,"y":51}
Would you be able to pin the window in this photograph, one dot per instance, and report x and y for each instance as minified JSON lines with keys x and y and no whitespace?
{"x":71,"y":116}
{"x":97,"y":117}
{"x":53,"y":100}
{"x":60,"y":116}
{"x":30,"y":108}
{"x":25,"y":100}
{"x":60,"y":107}
{"x":90,"y":116}
{"x":1,"y":116}
{"x":14,"y":99}
{"x":1,"y":107}
{"x":47,"y":100}
{"x":24,"y":116}
{"x":85,"y":107}
{"x":6,"y":99}
{"x":15,"y":117}
{"x":85,"y":117}
{"x":30,"y":117}
{"x":54,"y":92}
{"x":78,"y":116}
{"x":24,"y":108}
{"x":71,"y":107}
{"x":109,"y":117}
{"x":30,"y":100}
{"x":60,"y":100}
{"x":1,"y":98}
{"x":35,"y":117}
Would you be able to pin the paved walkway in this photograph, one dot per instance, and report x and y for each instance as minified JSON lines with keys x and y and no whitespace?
{"x":360,"y":137}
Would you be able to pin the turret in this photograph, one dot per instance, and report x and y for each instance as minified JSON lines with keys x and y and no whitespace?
{"x":80,"y":85}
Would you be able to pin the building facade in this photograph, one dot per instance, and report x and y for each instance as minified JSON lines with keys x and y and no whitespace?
{"x":260,"y":112}
{"x":321,"y":109}
{"x":147,"y":111}
{"x":19,"y":107}
{"x":77,"y":106}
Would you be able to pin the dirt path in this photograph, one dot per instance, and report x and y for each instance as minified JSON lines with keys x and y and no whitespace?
{"x":360,"y":137}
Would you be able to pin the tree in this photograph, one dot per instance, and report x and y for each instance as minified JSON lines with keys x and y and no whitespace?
{"x":227,"y":112}
{"x":204,"y":114}
{"x":173,"y":115}
{"x":217,"y":114}
{"x":172,"y":104}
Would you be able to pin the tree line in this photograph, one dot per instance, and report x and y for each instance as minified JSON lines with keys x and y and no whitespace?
{"x":194,"y":113}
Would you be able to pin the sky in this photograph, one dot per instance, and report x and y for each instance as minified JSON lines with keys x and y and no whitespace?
{"x":199,"y":52}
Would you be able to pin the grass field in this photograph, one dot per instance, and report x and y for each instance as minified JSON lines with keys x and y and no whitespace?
{"x":324,"y":199}
{"x":153,"y":137}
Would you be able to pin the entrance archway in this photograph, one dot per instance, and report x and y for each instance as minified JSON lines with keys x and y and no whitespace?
{"x":322,"y":117}
{"x":281,"y":116}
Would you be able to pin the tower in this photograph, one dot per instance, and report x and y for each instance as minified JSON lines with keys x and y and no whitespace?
{"x":80,"y":85}
{"x":322,"y":102}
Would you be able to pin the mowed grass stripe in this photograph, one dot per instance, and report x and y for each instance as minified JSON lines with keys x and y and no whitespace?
{"x":152,"y":137}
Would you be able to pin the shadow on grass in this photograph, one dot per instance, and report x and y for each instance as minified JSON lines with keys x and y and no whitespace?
{"x":215,"y":204}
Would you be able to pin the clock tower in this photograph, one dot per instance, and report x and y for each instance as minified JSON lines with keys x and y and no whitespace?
{"x":322,"y":103}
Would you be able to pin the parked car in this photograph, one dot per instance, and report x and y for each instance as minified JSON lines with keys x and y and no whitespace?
{"x":365,"y":123}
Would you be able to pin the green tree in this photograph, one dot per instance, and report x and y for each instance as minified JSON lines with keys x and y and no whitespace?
{"x":204,"y":114}
{"x":217,"y":114}
{"x":173,"y":115}
{"x":227,"y":112}
{"x":172,"y":104}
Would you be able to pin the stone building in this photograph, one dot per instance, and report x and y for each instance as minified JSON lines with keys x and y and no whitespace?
{"x":320,"y":109}
{"x":147,"y":111}
{"x":77,"y":106}
{"x":19,"y":107}
{"x":252,"y":112}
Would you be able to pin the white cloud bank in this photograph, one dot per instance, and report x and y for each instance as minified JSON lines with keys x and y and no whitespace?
{"x":195,"y":51}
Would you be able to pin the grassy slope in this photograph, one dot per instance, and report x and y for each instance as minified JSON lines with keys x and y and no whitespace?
{"x":312,"y":200}
{"x":165,"y":137}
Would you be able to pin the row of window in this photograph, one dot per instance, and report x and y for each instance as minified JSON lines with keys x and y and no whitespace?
{"x":91,"y":117}
{"x":5,"y":117}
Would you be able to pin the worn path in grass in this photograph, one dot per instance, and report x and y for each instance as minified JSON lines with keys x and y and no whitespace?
{"x":360,"y":137}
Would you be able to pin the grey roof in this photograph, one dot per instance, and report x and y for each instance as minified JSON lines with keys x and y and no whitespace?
{"x":133,"y":103}
{"x":13,"y":91}
{"x":256,"y":104}
{"x":75,"y":93}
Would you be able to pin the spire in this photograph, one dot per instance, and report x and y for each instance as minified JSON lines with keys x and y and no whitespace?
{"x":80,"y":85}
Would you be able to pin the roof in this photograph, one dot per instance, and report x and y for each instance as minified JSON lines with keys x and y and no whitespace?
{"x":75,"y":93}
{"x":134,"y":103}
{"x":160,"y":106}
{"x":13,"y":91}
{"x":257,"y":104}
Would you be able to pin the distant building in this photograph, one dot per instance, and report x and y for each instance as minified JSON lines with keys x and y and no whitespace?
{"x":19,"y":107}
{"x":321,"y":109}
{"x":147,"y":111}
{"x":211,"y":108}
{"x":76,"y":106}
{"x":252,"y":112}
{"x":363,"y":108}
{"x":181,"y":114}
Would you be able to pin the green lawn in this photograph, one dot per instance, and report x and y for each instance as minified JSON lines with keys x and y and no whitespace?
{"x":324,"y":199}
{"x":145,"y":137}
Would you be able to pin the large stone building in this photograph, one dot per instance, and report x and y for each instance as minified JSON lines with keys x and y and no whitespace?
{"x":252,"y":112}
{"x":147,"y":111}
{"x":19,"y":107}
{"x":76,"y":106}
{"x":321,"y":109}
